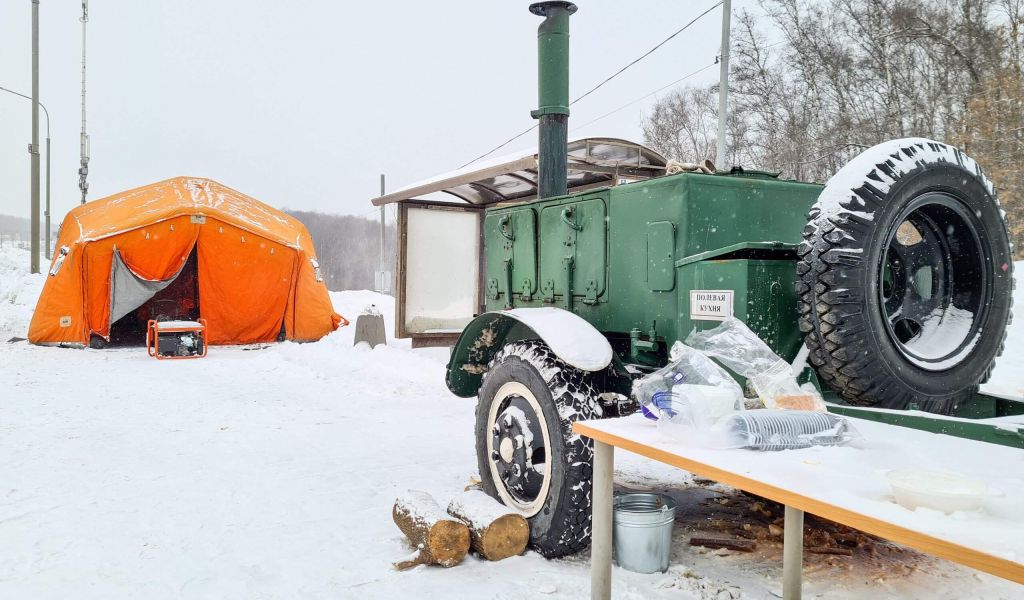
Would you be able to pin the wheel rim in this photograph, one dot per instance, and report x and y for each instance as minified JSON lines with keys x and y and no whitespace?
{"x":934,"y":286}
{"x":517,"y":448}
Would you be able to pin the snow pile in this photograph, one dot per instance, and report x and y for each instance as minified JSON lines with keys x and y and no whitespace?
{"x":568,"y":336}
{"x":479,"y":506}
{"x":19,"y":291}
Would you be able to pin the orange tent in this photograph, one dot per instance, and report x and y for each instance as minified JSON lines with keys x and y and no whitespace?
{"x":180,"y":249}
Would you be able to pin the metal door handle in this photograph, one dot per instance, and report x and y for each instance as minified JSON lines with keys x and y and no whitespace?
{"x":508,"y":235}
{"x":567,"y":214}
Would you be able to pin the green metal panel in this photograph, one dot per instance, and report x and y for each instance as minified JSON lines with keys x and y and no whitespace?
{"x":524,"y":262}
{"x":511,"y":242}
{"x":661,"y":254}
{"x":729,"y":210}
{"x":573,"y":241}
{"x":763,"y":297}
{"x":710,"y":216}
{"x":557,"y":247}
{"x":591,"y":249}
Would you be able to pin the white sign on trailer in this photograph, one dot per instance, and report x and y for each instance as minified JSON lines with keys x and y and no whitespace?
{"x":710,"y":305}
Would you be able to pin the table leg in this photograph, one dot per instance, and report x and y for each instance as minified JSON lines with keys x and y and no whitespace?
{"x":601,"y":523}
{"x":792,"y":554}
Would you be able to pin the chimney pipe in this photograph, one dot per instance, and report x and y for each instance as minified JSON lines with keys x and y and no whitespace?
{"x":553,"y":92}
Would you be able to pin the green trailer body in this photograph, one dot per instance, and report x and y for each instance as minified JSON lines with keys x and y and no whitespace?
{"x":643,"y":264}
{"x":637,"y":261}
{"x":643,"y":258}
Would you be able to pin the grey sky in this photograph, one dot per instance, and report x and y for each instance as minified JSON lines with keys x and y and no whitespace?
{"x":303,"y":104}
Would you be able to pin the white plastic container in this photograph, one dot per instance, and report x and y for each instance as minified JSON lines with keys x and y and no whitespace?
{"x":938,"y":490}
{"x":708,"y":403}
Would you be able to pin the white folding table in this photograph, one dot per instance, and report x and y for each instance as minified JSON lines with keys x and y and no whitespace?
{"x":845,"y":484}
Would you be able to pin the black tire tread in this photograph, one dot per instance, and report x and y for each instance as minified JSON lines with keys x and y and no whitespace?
{"x":829,"y":258}
{"x":575,"y":399}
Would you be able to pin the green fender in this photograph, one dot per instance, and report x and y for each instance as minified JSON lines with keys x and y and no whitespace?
{"x":563,"y":331}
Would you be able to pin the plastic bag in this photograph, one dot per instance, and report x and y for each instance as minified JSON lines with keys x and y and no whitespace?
{"x":690,"y":392}
{"x":783,"y":430}
{"x":741,"y":350}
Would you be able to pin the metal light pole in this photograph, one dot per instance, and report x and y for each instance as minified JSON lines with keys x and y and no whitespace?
{"x":46,"y":213}
{"x":34,"y":148}
{"x":83,"y":171}
{"x":723,"y":83}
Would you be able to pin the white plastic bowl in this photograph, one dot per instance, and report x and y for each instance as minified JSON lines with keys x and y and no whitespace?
{"x":938,"y":490}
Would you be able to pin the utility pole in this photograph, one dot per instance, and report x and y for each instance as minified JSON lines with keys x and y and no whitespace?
{"x":382,"y":284}
{"x":46,"y":212}
{"x":723,"y":83}
{"x":34,"y":148}
{"x":83,"y":171}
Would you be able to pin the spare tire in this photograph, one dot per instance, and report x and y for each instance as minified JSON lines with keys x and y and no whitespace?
{"x":906,"y":278}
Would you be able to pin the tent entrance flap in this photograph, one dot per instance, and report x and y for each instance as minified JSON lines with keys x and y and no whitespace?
{"x":128,"y":291}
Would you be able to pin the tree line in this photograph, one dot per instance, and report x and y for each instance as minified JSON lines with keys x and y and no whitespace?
{"x":348,"y":248}
{"x":820,"y":80}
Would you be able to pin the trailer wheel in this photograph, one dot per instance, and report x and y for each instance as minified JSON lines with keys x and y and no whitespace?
{"x":906,"y":276}
{"x":529,"y":458}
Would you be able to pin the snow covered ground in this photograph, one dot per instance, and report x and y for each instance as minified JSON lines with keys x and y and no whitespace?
{"x":270,"y":473}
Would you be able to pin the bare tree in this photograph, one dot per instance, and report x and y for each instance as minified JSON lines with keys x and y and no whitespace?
{"x":683,"y":124}
{"x":848,"y":74}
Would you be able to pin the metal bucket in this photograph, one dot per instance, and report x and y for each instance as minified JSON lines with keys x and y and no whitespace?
{"x":642,"y":525}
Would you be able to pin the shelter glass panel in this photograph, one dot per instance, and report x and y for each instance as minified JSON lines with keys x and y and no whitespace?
{"x":442,"y":269}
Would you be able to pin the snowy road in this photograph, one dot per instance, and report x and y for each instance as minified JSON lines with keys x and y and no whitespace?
{"x":270,"y":474}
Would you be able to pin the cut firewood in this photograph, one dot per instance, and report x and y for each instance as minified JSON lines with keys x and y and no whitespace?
{"x":830,"y":550}
{"x":744,"y":533}
{"x":737,"y":545}
{"x":440,"y":539}
{"x":495,"y":531}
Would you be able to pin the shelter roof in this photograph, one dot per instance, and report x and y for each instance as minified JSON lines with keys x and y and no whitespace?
{"x":593,"y":162}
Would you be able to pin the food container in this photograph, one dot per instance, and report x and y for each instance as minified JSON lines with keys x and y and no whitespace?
{"x":939,"y":490}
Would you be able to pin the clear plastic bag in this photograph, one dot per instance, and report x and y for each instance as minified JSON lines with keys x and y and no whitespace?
{"x":690,"y":392}
{"x":741,"y":350}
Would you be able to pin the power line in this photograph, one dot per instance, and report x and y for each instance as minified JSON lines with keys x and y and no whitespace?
{"x":599,"y":85}
{"x":644,"y":97}
{"x":501,"y":145}
{"x":664,"y":87}
{"x":645,"y":55}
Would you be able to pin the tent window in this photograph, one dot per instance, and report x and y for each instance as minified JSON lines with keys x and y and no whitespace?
{"x":316,"y":270}
{"x":57,"y":264}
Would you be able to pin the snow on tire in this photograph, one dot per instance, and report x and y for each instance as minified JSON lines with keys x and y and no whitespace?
{"x":905,"y":277}
{"x":529,"y":458}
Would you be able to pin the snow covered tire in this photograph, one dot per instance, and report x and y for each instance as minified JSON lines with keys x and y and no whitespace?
{"x":522,"y":377}
{"x":906,"y":277}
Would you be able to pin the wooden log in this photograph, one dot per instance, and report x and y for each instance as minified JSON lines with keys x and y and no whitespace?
{"x":495,"y":531}
{"x":440,"y":539}
{"x":737,"y":545}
